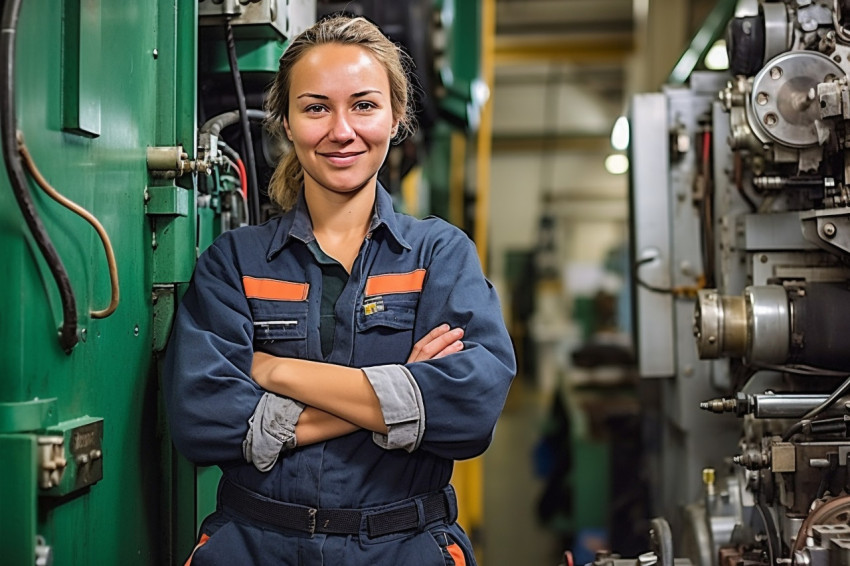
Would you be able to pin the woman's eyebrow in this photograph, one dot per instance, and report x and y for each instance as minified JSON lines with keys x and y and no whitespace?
{"x":312,"y":95}
{"x":353,"y":95}
{"x":365,"y":92}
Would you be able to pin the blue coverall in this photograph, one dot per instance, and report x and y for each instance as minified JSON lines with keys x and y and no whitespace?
{"x":259,"y":288}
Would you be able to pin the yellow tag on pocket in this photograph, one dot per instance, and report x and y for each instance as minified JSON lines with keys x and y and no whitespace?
{"x":373,"y":305}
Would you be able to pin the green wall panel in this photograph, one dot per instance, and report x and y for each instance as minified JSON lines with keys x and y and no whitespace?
{"x":92,"y":95}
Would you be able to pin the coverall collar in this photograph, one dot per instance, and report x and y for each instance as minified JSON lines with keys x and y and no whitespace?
{"x":296,"y":224}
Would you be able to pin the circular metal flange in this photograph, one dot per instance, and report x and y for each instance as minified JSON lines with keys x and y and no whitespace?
{"x":784,"y":97}
{"x":720,"y":325}
{"x":708,"y":324}
{"x":769,"y":324}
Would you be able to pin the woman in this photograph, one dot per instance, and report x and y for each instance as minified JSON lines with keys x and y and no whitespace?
{"x":317,"y":358}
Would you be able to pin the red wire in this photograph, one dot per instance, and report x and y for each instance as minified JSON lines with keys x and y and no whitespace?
{"x":243,"y":177}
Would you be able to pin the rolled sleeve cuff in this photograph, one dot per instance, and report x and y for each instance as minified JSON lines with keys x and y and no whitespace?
{"x":401,"y":404}
{"x":271,"y":429}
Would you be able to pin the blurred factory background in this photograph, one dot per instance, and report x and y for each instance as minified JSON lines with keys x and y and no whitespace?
{"x":567,"y":469}
{"x":665,"y":230}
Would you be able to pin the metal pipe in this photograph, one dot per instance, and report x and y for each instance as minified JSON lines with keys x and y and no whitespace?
{"x":773,"y":405}
{"x":784,"y":406}
{"x":17,"y":177}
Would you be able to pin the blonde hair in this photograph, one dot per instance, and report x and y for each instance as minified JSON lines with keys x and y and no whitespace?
{"x":288,"y":176}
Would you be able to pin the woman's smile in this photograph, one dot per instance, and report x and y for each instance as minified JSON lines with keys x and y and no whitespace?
{"x":342,"y":158}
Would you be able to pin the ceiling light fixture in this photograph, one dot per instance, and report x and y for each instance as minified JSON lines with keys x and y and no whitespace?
{"x":620,"y":134}
{"x":616,"y":163}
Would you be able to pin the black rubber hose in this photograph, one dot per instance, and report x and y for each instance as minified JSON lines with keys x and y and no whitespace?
{"x":217,"y":123}
{"x":18,"y":179}
{"x":250,"y":161}
{"x":773,"y":540}
{"x":228,"y":151}
{"x":828,"y":402}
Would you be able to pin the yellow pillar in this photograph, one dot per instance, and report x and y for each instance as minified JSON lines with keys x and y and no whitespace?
{"x":468,"y":477}
{"x":457,"y":178}
{"x":485,"y":131}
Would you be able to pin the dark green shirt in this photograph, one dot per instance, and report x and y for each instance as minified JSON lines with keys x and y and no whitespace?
{"x":334,"y":278}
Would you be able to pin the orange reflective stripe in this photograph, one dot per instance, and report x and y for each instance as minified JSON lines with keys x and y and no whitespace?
{"x":202,"y":542}
{"x":457,"y":554}
{"x":274,"y":290}
{"x":395,"y":283}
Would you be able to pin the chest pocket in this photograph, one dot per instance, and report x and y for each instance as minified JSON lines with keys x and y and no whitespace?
{"x":390,"y":301}
{"x":386,"y":316}
{"x":279,"y":310}
{"x":391,"y":311}
{"x":280,"y":328}
{"x":386,"y":335}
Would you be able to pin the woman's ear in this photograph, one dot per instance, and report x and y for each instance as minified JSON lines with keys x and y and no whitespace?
{"x":394,"y":129}
{"x":286,"y":129}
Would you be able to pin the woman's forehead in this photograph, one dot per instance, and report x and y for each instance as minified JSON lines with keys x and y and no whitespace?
{"x":338,"y":64}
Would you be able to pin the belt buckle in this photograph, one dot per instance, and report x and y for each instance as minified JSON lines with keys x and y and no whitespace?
{"x":311,"y":521}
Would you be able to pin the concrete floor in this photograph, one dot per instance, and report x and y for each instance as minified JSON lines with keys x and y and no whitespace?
{"x":512,"y":535}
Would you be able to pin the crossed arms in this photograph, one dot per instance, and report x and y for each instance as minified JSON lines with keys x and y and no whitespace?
{"x":339,"y":400}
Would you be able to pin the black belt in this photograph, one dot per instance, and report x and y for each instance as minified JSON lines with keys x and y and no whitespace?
{"x":404,"y":517}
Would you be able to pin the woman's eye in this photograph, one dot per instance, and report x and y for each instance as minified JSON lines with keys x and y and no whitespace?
{"x":314,"y":109}
{"x":363,"y":105}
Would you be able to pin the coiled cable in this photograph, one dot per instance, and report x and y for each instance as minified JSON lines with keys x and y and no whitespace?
{"x":17,"y":177}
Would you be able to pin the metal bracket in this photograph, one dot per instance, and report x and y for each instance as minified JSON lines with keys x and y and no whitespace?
{"x":828,"y":228}
{"x":71,"y":456}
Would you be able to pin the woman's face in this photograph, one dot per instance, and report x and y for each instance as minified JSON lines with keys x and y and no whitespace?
{"x":340,"y":118}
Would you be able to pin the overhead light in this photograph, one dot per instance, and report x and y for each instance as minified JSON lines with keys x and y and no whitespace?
{"x":620,"y":134}
{"x":717,"y":59}
{"x":616,"y":163}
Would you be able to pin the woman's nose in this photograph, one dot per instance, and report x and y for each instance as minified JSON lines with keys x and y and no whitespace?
{"x":341,"y":130}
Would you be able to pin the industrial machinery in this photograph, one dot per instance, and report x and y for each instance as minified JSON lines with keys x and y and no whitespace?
{"x":132,"y":136}
{"x":743,"y":295}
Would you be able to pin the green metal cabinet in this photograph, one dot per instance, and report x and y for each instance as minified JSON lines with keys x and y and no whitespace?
{"x":97,"y":82}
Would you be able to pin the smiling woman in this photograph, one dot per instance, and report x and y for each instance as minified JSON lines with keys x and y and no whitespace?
{"x":306,"y":350}
{"x":366,"y":49}
{"x":340,"y":120}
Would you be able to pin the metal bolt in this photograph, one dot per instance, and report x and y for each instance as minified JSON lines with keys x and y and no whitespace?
{"x":136,"y":330}
{"x":155,"y":52}
{"x":775,"y":73}
{"x":829,"y":230}
{"x":763,"y":258}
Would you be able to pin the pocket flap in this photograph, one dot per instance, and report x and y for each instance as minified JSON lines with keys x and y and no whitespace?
{"x":275,"y":320}
{"x":393,"y":311}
